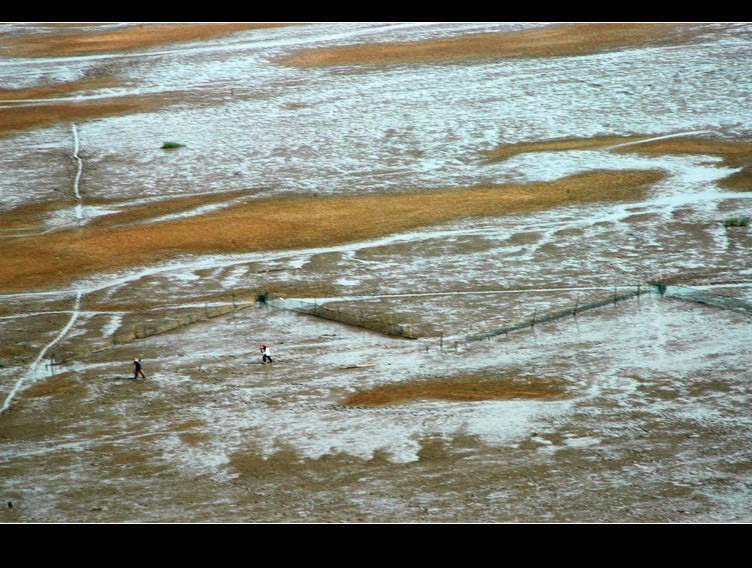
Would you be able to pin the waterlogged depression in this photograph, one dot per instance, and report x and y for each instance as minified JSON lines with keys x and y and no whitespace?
{"x":653,"y":425}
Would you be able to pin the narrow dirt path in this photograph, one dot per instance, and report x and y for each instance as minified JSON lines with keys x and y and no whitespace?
{"x":34,"y":370}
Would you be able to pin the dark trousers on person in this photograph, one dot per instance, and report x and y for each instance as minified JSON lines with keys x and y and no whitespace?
{"x":265,"y":357}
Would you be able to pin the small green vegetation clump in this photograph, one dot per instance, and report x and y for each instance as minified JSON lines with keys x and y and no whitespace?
{"x":171,"y":145}
{"x":736,"y":222}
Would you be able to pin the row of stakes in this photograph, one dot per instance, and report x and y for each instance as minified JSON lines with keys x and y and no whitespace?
{"x":265,"y":298}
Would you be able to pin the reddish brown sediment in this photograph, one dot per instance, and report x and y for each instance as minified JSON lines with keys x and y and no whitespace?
{"x":734,"y":153}
{"x":292,"y":223}
{"x":30,"y":216}
{"x":557,"y":145}
{"x":460,"y":389}
{"x":19,"y":118}
{"x":548,"y":41}
{"x":62,"y":43}
{"x":56,"y":90}
{"x":140,"y":213}
{"x":738,"y":181}
{"x":52,"y":387}
{"x":47,"y":111}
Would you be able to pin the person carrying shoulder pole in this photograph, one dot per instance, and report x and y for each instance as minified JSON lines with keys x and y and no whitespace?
{"x":137,"y":370}
{"x":266,"y":354}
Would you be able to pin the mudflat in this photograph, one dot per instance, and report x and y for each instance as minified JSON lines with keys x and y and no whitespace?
{"x":366,"y":191}
{"x":557,"y":40}
{"x":131,"y":37}
{"x":462,"y":389}
{"x":288,"y":223}
{"x":37,"y":116}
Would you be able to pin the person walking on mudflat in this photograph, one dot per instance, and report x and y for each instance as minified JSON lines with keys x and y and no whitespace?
{"x":137,"y":370}
{"x":265,"y":354}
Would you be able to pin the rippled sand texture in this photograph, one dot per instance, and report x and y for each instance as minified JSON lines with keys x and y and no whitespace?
{"x":453,"y":179}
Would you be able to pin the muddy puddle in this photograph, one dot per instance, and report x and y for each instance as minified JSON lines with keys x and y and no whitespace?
{"x":639,"y":411}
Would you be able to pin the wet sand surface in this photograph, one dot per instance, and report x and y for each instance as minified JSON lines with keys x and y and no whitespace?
{"x":53,"y":259}
{"x":118,"y":37}
{"x":543,"y":41}
{"x":636,"y":411}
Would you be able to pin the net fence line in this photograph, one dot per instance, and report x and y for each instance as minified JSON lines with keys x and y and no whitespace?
{"x":389,"y":324}
{"x":571,"y":310}
{"x":715,"y":284}
{"x":687,"y":293}
{"x":471,"y":292}
{"x":386,"y":324}
{"x":198,"y":314}
{"x":135,"y":331}
{"x":700,"y":296}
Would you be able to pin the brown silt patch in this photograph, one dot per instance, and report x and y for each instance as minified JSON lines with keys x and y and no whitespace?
{"x":51,"y":387}
{"x":462,"y":389}
{"x":131,"y":37}
{"x":548,"y":41}
{"x":141,"y":213}
{"x":31,"y":215}
{"x":291,"y":223}
{"x":47,"y":111}
{"x":739,"y":181}
{"x":734,"y":154}
{"x":18,"y":118}
{"x":557,"y":145}
{"x":57,"y":90}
